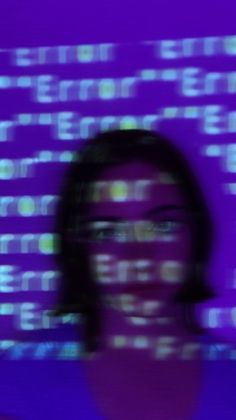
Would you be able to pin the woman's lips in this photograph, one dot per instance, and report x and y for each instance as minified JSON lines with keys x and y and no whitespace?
{"x":148,"y":291}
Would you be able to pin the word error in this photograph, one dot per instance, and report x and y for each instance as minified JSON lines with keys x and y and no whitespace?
{"x":173,"y":347}
{"x":212,"y":120}
{"x":27,"y":205}
{"x":28,"y":243}
{"x":52,"y":350}
{"x":163,"y":348}
{"x":187,"y":82}
{"x":29,"y":316}
{"x":119,"y":190}
{"x":107,"y":270}
{"x":166,"y":49}
{"x":219,"y":317}
{"x":62,"y":54}
{"x":13,"y":280}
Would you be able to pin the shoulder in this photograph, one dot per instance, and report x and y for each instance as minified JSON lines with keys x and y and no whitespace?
{"x":217,"y":395}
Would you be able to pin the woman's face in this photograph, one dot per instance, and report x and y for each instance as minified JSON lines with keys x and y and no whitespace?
{"x":137,"y":229}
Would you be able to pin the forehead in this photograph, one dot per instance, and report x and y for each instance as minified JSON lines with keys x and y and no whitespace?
{"x":132,"y":170}
{"x":132,"y":189}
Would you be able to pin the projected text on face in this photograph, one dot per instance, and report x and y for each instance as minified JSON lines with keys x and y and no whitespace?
{"x":64,"y":94}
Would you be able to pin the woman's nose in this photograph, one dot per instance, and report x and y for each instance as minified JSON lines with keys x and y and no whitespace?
{"x":137,"y":248}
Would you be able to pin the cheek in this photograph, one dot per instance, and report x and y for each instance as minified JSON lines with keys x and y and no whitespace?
{"x":178,"y":248}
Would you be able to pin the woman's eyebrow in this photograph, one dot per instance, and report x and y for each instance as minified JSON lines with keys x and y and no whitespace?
{"x":154,"y":211}
{"x":109,"y":219}
{"x":165,"y":208}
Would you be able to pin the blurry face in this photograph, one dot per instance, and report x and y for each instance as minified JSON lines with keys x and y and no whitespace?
{"x":137,"y":231}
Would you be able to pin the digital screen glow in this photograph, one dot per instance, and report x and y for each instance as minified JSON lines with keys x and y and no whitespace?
{"x":35,"y":77}
{"x":56,"y":96}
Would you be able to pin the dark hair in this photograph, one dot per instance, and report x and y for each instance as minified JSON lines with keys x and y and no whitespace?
{"x":78,"y":292}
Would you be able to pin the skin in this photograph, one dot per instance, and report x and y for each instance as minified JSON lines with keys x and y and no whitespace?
{"x":145,"y":377}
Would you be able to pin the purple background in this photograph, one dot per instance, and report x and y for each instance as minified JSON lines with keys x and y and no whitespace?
{"x":128,"y":25}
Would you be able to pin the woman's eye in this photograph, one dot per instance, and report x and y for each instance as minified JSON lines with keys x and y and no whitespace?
{"x":109,"y":234}
{"x":103,"y":234}
{"x":166,"y":226}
